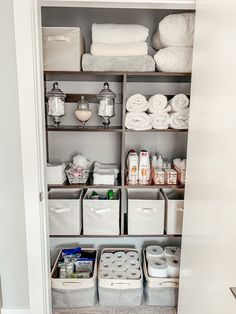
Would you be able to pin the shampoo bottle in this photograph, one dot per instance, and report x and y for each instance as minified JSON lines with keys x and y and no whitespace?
{"x":160,"y":163}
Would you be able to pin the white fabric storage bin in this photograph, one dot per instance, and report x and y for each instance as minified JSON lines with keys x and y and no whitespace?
{"x":70,"y":293}
{"x":159,"y":291}
{"x":174,"y":210}
{"x":63,"y":48}
{"x":101,"y":217}
{"x":64,"y":209}
{"x":146,"y":210}
{"x":117,"y":292}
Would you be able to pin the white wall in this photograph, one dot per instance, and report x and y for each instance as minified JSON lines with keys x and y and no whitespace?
{"x":13,"y":261}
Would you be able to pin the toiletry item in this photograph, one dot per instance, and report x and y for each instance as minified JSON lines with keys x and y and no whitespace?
{"x":158,"y":176}
{"x":157,"y":268}
{"x":154,"y":251}
{"x":160,"y":162}
{"x":110,"y":195}
{"x":132,"y":163}
{"x":154,"y":161}
{"x":144,"y":167}
{"x":83,"y":112}
{"x":170,"y":176}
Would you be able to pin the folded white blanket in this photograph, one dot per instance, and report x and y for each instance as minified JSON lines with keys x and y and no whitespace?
{"x":174,"y":59}
{"x":119,"y":50}
{"x":175,"y":30}
{"x":179,"y":120}
{"x":138,"y":121}
{"x":158,"y":103}
{"x":179,"y":102}
{"x":160,"y":121}
{"x":118,"y":33}
{"x":137,"y":103}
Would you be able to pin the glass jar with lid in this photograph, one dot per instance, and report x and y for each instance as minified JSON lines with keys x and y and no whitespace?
{"x":83,"y":112}
{"x":56,"y":101}
{"x":106,"y":108}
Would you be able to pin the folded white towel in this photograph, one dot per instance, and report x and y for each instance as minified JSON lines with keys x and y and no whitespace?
{"x":138,"y":121}
{"x":118,"y":33}
{"x":175,"y":30}
{"x":160,"y":121}
{"x":119,"y":50}
{"x":100,"y":168}
{"x":174,"y":59}
{"x":179,"y":102}
{"x":158,"y":103}
{"x":179,"y":120}
{"x":101,"y":178}
{"x":56,"y":173}
{"x":137,"y":103}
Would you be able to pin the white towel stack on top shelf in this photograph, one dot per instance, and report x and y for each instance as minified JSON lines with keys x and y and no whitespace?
{"x":56,"y":173}
{"x":174,"y":40}
{"x":105,"y":173}
{"x":179,"y":116}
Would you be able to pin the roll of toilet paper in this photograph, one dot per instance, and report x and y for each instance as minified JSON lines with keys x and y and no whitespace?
{"x":171,"y":251}
{"x":173,"y":267}
{"x":133,"y":273}
{"x":107,"y":257}
{"x":106,"y":274}
{"x":154,"y":251}
{"x":157,"y":268}
{"x":132,"y":263}
{"x":120,"y":256}
{"x":132,"y":255}
{"x":119,"y":274}
{"x":106,"y":265}
{"x":119,"y":265}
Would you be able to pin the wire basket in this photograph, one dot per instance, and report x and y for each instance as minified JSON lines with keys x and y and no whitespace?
{"x":77,"y":175}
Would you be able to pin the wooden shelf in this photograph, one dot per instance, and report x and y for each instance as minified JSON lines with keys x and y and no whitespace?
{"x":117,"y":236}
{"x":157,"y":131}
{"x":75,"y":128}
{"x":155,"y":186}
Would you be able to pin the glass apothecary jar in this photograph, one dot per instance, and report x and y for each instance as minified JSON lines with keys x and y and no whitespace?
{"x":56,"y":104}
{"x":106,"y":110}
{"x":83,"y":112}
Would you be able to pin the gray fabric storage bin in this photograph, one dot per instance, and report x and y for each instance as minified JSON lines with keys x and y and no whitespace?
{"x":72,"y":293}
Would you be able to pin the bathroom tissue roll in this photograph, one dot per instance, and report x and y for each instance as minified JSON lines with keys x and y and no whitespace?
{"x":133,"y":274}
{"x":119,"y":274}
{"x":171,"y":251}
{"x":106,"y":274}
{"x":106,"y":265}
{"x":119,"y":265}
{"x":173,"y":267}
{"x":132,"y":255}
{"x":107,"y":257}
{"x":154,"y":251}
{"x":120,"y":256}
{"x":132,"y":263}
{"x":157,"y":268}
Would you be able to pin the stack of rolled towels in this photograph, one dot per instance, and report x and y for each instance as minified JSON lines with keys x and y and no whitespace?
{"x":118,"y":47}
{"x":174,"y":42}
{"x":105,"y":173}
{"x":157,"y":112}
{"x":163,"y":263}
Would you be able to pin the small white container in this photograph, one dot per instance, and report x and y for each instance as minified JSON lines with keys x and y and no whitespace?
{"x":120,"y":292}
{"x":174,"y":210}
{"x":64,"y":209}
{"x":101,"y":217}
{"x":146,"y":209}
{"x":63,"y":48}
{"x":71,"y":293}
{"x":159,"y":291}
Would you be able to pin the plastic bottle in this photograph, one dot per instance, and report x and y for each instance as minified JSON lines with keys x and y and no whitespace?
{"x":160,"y":163}
{"x":144,"y":167}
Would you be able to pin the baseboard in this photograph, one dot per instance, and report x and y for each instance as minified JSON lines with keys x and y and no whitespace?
{"x":15,"y":311}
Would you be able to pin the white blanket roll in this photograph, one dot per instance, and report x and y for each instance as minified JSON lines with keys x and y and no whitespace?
{"x":179,"y":120}
{"x":179,"y":102}
{"x":138,"y":121}
{"x":174,"y":59}
{"x":119,"y":50}
{"x":118,"y":33}
{"x":175,"y":30}
{"x":137,"y":103}
{"x":160,"y":121}
{"x":158,"y":103}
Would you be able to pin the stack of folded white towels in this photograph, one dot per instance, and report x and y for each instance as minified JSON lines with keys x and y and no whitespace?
{"x":157,"y":112}
{"x":174,"y":42}
{"x":105,"y":173}
{"x":56,"y":173}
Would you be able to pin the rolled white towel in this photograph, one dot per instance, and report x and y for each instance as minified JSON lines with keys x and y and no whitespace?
{"x":175,"y":30}
{"x":137,"y":103}
{"x":119,"y":50}
{"x":179,"y":102}
{"x":118,"y":33}
{"x":174,"y":59}
{"x":138,"y":121}
{"x":179,"y":120}
{"x":158,"y":103}
{"x":160,"y":121}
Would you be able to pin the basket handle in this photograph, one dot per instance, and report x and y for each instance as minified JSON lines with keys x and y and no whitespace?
{"x":146,"y":210}
{"x":59,"y":38}
{"x":120,"y":284}
{"x":169,"y":283}
{"x":69,"y":283}
{"x":60,"y":210}
{"x":180,"y":209}
{"x":100,"y":210}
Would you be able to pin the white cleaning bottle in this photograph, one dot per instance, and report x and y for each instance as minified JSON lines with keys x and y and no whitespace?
{"x":144,"y":167}
{"x":160,"y":163}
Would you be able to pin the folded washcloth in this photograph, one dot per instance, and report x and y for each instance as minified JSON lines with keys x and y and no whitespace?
{"x":174,"y":59}
{"x":160,"y":121}
{"x":137,"y":103}
{"x":118,"y":33}
{"x":179,"y":120}
{"x":101,"y":178}
{"x":119,"y":50}
{"x":100,"y":168}
{"x":138,"y":121}
{"x":179,"y":102}
{"x":175,"y":30}
{"x":158,"y":103}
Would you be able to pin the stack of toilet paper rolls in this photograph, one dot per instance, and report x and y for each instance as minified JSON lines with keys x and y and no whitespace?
{"x":120,"y":265}
{"x":163,"y":263}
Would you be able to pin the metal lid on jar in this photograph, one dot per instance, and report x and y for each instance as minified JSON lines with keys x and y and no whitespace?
{"x":106,"y":92}
{"x":56,"y":92}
